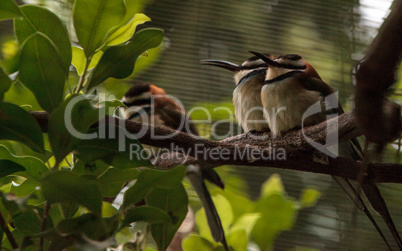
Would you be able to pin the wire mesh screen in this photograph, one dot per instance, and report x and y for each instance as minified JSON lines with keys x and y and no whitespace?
{"x":331,"y":35}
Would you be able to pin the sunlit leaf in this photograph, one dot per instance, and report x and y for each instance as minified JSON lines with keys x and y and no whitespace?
{"x":94,"y":19}
{"x":145,"y":213}
{"x":280,"y":212}
{"x":66,"y":186}
{"x":69,"y":123}
{"x":118,"y":61}
{"x":309,"y":197}
{"x":124,"y":33}
{"x":272,"y":186}
{"x":112,"y":181}
{"x":42,"y":71}
{"x":17,"y":124}
{"x":5,"y":83}
{"x":225,"y":213}
{"x":8,"y":167}
{"x":192,"y":241}
{"x":9,"y":9}
{"x":238,"y":239}
{"x":246,"y":222}
{"x":39,"y":19}
{"x":175,"y":203}
{"x":79,"y":59}
{"x":152,"y":179}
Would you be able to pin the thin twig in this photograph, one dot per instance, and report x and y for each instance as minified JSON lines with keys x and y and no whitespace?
{"x":9,"y":235}
{"x":43,"y":225}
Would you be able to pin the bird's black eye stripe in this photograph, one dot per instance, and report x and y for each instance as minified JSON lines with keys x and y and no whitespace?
{"x":282,"y":77}
{"x":251,"y":74}
{"x":138,"y":102}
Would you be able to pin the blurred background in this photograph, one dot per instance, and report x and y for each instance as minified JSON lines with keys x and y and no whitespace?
{"x":332,"y":35}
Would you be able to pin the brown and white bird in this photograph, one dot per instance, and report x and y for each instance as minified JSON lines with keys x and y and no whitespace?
{"x":293,"y":84}
{"x":249,"y":78}
{"x":148,"y":103}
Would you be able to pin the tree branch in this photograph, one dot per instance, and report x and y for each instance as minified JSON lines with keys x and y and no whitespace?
{"x":379,"y":118}
{"x":249,"y":150}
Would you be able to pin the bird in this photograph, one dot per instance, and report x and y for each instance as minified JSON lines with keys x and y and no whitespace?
{"x":150,"y":104}
{"x":249,"y":78}
{"x":293,"y":83}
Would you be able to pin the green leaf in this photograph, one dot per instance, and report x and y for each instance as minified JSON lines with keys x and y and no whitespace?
{"x":111,"y":106}
{"x":28,"y":223}
{"x":113,"y":180}
{"x":66,"y":186}
{"x":246,"y":222}
{"x":79,"y":59}
{"x":145,"y":213}
{"x":9,"y":9}
{"x":17,"y":124}
{"x":91,"y":226}
{"x":5,"y":83}
{"x":118,"y":61}
{"x":124,"y":33}
{"x":34,"y":168}
{"x":194,"y":241}
{"x":69,"y":123}
{"x":152,"y":179}
{"x":238,"y":239}
{"x":96,"y":168}
{"x":115,"y":149}
{"x":309,"y":197}
{"x":273,"y":186}
{"x":175,"y":203}
{"x":94,"y":19}
{"x":25,"y":188}
{"x":42,"y":71}
{"x":277,"y":214}
{"x":225,"y":213}
{"x":8,"y":167}
{"x":38,"y":19}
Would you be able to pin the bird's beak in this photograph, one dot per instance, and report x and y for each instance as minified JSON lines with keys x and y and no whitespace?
{"x":266,"y":59}
{"x":224,"y":64}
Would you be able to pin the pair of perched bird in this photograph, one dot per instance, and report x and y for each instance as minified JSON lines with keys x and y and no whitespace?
{"x":264,"y":86}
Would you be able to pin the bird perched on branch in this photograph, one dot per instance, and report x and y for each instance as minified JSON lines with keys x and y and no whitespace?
{"x":150,"y":104}
{"x":249,"y":78}
{"x":291,"y":83}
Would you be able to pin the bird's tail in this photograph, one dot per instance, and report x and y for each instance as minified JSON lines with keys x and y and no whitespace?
{"x":357,"y":200}
{"x":196,"y":175}
{"x":377,"y":202}
{"x":373,"y":195}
